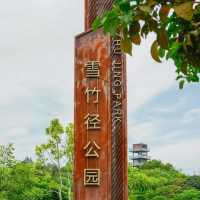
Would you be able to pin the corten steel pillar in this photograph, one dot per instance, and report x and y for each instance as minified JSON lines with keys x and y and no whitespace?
{"x":100,"y":167}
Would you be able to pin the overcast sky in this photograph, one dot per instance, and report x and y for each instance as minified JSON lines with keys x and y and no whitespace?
{"x":36,"y":62}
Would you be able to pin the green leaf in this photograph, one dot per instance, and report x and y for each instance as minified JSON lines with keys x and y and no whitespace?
{"x":179,"y":77}
{"x":184,"y":68}
{"x":184,"y":10}
{"x":181,"y":84}
{"x":96,"y":24}
{"x":161,"y":52}
{"x":136,"y":39}
{"x":145,"y":30}
{"x":174,"y":49}
{"x":124,"y":6}
{"x":111,"y":28}
{"x":110,"y":23}
{"x":126,"y":45}
{"x":153,"y":25}
{"x":126,"y":18}
{"x":162,"y":39}
{"x":135,"y":28}
{"x":154,"y":51}
{"x":151,"y":2}
{"x":145,"y":8}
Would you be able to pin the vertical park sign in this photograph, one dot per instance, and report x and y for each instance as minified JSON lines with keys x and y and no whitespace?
{"x":100,"y":167}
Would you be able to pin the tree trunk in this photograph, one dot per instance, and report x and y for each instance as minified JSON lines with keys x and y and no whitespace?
{"x":60,"y":188}
{"x":60,"y":194}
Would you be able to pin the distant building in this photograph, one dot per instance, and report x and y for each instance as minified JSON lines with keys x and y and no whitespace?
{"x":139,"y":154}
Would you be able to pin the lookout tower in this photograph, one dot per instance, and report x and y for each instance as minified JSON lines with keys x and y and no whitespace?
{"x":139,"y":154}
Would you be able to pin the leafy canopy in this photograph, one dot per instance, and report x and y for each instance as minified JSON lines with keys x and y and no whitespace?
{"x":7,"y":157}
{"x":176,"y":25}
{"x":157,"y":181}
{"x":58,"y":152}
{"x":30,"y":180}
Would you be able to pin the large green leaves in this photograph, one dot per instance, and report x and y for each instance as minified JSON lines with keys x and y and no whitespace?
{"x":176,"y":25}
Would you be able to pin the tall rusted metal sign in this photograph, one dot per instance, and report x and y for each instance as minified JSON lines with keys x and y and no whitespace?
{"x":100,"y":112}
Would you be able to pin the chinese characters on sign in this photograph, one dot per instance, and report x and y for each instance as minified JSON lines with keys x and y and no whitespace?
{"x":93,"y":91}
{"x":91,"y":177}
{"x":92,"y":69}
{"x":100,"y":112}
{"x":100,"y":108}
{"x":92,"y":121}
{"x":92,"y":149}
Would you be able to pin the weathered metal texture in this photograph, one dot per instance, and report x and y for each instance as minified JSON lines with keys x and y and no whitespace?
{"x":112,"y":137}
{"x":94,"y":8}
{"x":92,"y":46}
{"x":119,"y":129}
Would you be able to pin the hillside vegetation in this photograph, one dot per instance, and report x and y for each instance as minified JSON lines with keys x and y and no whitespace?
{"x":49,"y":177}
{"x":158,"y":181}
{"x":154,"y":181}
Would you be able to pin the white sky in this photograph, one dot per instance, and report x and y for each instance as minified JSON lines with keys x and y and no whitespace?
{"x":36,"y":63}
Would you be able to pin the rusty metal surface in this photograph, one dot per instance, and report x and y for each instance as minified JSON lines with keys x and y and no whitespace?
{"x":94,"y":8}
{"x":92,"y":46}
{"x":119,"y":132}
{"x":112,"y":138}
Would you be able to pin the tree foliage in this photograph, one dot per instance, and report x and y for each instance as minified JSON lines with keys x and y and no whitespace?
{"x":7,"y":158}
{"x":176,"y":25}
{"x":58,"y":153}
{"x":47,"y":178}
{"x":158,"y":181}
{"x":40,"y":180}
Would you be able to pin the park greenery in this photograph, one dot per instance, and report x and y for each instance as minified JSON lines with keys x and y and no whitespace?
{"x":175,"y":24}
{"x":49,"y":177}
